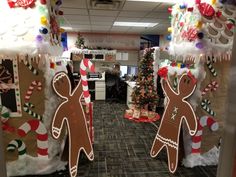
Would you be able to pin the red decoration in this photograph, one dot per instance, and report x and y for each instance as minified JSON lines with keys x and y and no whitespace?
{"x":192,"y":77}
{"x":169,"y":9}
{"x":43,"y":1}
{"x":197,"y":1}
{"x":218,"y":13}
{"x":11,"y":3}
{"x":181,"y":24}
{"x":21,"y":3}
{"x":206,"y":9}
{"x":163,"y":72}
{"x":190,"y":9}
{"x":190,"y":34}
{"x":230,"y":26}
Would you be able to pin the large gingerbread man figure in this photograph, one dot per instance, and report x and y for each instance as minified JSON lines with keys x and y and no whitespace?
{"x":71,"y":112}
{"x":176,"y":110}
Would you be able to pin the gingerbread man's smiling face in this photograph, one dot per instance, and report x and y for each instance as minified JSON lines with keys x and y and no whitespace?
{"x":61,"y":85}
{"x":186,"y":85}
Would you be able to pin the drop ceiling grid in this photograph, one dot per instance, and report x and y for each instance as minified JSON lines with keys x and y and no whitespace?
{"x":79,"y":15}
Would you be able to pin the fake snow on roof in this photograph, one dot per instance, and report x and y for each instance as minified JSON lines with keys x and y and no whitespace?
{"x":202,"y":27}
{"x":29,"y":28}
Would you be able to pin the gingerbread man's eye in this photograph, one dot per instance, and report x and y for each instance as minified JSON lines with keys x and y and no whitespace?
{"x":188,"y":81}
{"x":184,"y":80}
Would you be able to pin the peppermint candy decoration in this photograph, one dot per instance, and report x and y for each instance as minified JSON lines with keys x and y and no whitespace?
{"x":21,"y":3}
{"x":206,"y":9}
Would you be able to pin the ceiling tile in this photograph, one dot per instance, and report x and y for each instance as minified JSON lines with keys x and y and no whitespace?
{"x":74,"y":11}
{"x":163,"y":7}
{"x":104,"y":12}
{"x":140,"y":29}
{"x":74,"y":3}
{"x":139,"y":6}
{"x":80,"y":22}
{"x":132,"y":14}
{"x":163,"y":15}
{"x":119,"y":28}
{"x":126,"y":19}
{"x":102,"y":18}
{"x":76,"y":17}
{"x":101,"y":23}
{"x":97,"y":27}
{"x":81,"y":26}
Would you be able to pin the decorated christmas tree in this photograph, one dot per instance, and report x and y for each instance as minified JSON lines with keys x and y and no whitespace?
{"x":80,"y":41}
{"x":144,"y":95}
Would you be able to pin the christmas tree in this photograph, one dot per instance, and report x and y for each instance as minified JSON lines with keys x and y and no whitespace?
{"x":144,"y":95}
{"x":80,"y":41}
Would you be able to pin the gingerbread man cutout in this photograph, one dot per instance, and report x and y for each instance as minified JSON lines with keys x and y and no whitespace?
{"x":176,"y":110}
{"x":71,"y":112}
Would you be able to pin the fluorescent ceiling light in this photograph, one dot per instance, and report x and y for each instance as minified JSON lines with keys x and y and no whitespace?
{"x":163,"y":1}
{"x":67,"y":28}
{"x":135,"y":24}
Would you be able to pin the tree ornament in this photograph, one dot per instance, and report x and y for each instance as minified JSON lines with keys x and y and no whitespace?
{"x":169,"y":9}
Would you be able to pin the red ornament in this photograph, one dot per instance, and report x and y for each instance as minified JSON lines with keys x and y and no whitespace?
{"x":11,"y":3}
{"x":206,"y":9}
{"x":163,"y":72}
{"x":218,"y":13}
{"x":190,"y":9}
{"x":181,"y":24}
{"x":169,"y":9}
{"x":43,"y":1}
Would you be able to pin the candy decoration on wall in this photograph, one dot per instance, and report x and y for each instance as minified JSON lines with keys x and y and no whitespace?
{"x":210,"y":87}
{"x":197,"y":139}
{"x":206,"y":9}
{"x":5,"y":115}
{"x":205,"y":105}
{"x":27,"y":107}
{"x":71,"y":111}
{"x":210,"y":66}
{"x":42,"y":136}
{"x":31,"y":68}
{"x":176,"y":110}
{"x":86,"y":63}
{"x":21,"y":3}
{"x":19,"y":145}
{"x":34,"y":85}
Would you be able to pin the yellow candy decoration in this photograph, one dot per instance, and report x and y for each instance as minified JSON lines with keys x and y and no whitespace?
{"x":169,"y":29}
{"x":44,"y":20}
{"x":62,"y":30}
{"x":213,"y":2}
{"x":179,"y":65}
{"x":199,"y":24}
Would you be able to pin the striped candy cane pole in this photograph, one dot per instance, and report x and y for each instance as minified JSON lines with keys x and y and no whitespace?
{"x":5,"y":114}
{"x":210,"y":87}
{"x":19,"y":144}
{"x":205,"y":105}
{"x":42,"y":136}
{"x":197,"y":139}
{"x":86,"y":63}
{"x":31,"y":68}
{"x":27,"y":107}
{"x":210,"y":66}
{"x":31,"y":88}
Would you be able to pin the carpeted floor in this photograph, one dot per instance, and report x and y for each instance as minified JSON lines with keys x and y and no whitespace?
{"x":122,"y":149}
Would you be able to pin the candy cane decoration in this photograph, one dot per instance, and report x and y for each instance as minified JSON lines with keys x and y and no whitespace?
{"x":19,"y":144}
{"x":31,"y":68}
{"x":32,"y":86}
{"x":5,"y":115}
{"x":27,"y":107}
{"x":197,"y":139}
{"x":86,"y":63}
{"x":205,"y":105}
{"x":42,"y":136}
{"x":210,"y":87}
{"x":210,"y":66}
